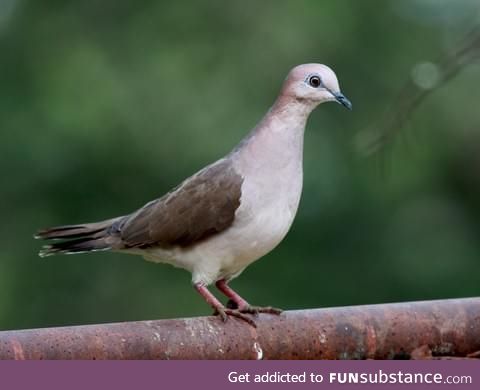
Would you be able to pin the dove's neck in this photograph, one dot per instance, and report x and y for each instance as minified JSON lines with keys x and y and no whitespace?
{"x":277,"y":141}
{"x":287,"y":116}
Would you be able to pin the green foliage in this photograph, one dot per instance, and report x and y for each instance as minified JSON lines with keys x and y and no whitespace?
{"x":107,"y":105}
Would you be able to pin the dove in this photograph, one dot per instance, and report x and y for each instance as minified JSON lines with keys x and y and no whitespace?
{"x":230,"y":213}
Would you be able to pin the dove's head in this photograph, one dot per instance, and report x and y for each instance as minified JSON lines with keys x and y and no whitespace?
{"x":314,"y":84}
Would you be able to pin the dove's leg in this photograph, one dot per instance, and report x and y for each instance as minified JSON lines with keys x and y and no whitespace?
{"x":237,"y":302}
{"x":221,"y":310}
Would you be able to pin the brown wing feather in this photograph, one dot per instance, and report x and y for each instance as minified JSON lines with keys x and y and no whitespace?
{"x":200,"y":207}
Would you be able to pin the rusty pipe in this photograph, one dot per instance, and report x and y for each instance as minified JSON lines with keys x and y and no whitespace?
{"x":428,"y":329}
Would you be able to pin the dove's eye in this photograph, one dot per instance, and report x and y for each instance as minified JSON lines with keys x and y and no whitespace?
{"x":315,"y":81}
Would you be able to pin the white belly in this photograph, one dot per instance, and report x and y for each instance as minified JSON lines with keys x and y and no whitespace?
{"x":254,"y":235}
{"x":261,"y":222}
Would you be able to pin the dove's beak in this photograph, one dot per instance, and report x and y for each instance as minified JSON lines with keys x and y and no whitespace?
{"x":340,"y":98}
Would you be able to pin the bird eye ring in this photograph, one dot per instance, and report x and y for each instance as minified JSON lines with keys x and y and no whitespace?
{"x":315,"y":81}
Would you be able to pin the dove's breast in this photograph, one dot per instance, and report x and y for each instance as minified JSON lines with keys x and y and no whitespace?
{"x":270,"y":197}
{"x":270,"y":194}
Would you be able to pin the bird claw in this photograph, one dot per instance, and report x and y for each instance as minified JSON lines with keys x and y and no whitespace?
{"x":224,"y":313}
{"x":255,"y":310}
{"x":234,"y":311}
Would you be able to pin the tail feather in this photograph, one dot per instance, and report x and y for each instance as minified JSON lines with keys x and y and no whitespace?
{"x":77,"y":238}
{"x":80,"y":245}
{"x":73,"y":231}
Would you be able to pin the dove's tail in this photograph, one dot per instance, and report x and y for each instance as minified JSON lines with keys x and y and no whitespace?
{"x":87,"y":237}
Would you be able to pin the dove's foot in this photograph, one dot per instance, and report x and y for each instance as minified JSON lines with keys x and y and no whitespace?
{"x":224,"y":313}
{"x":255,"y":310}
{"x":220,"y":310}
{"x":236,"y":302}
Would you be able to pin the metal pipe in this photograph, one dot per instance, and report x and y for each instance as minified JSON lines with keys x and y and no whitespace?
{"x":429,"y":329}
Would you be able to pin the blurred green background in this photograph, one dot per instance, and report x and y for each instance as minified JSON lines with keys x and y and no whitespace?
{"x":105,"y":105}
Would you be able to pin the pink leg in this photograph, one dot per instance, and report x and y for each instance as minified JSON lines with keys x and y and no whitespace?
{"x":208,"y":296}
{"x":242,"y":305}
{"x":219,"y":308}
{"x":229,"y":293}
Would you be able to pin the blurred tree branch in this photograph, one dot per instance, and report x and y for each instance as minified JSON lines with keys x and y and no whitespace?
{"x":412,"y":95}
